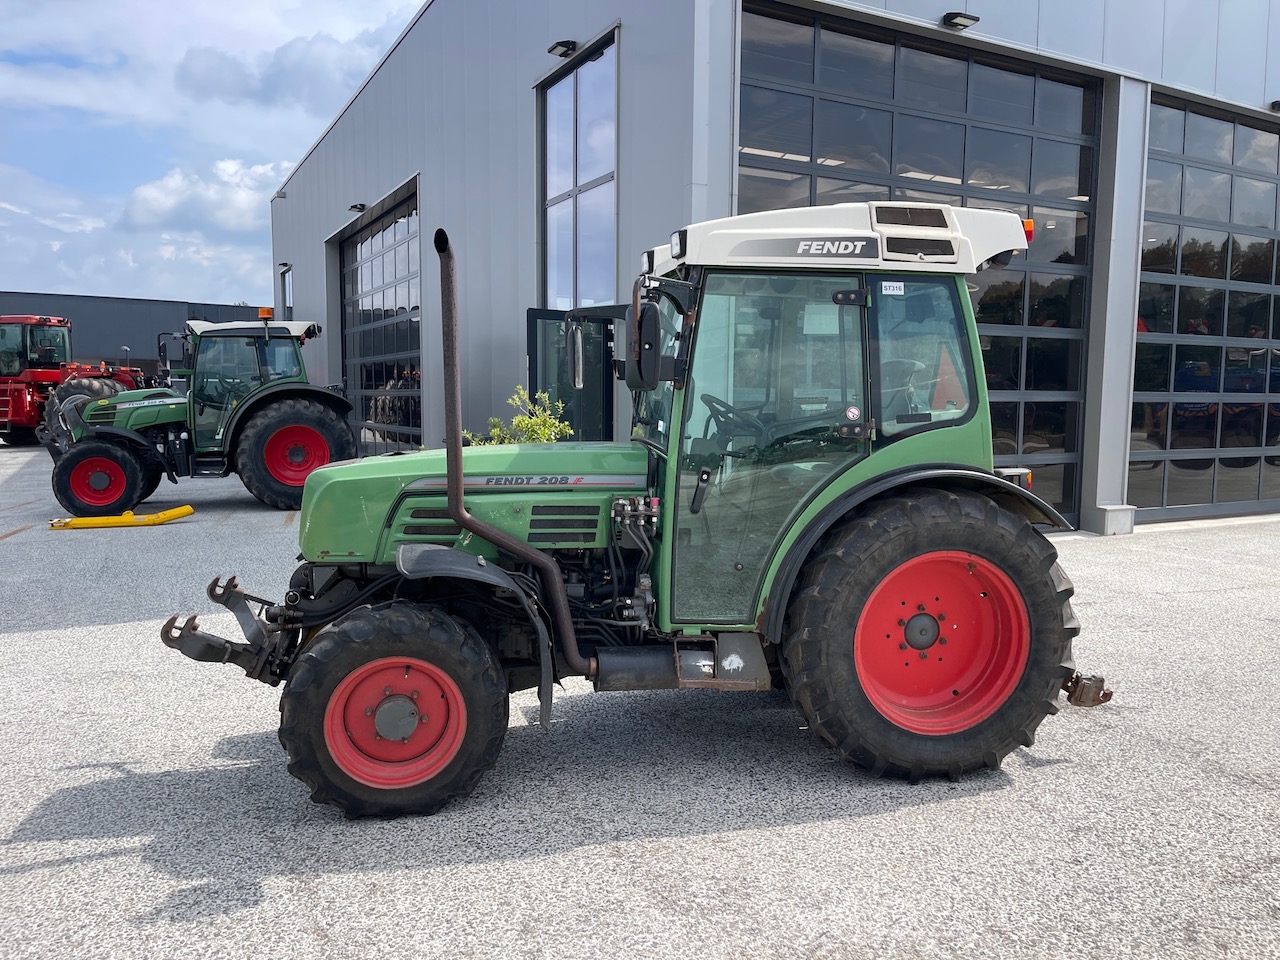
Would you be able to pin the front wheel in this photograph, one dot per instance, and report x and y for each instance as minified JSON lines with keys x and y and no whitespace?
{"x":98,"y":479}
{"x":392,"y":710}
{"x":930,"y":635}
{"x":283,"y":443}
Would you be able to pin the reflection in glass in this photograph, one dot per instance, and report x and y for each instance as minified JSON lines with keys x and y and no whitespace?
{"x":1061,"y":236}
{"x":1196,"y":368}
{"x":1061,"y":170}
{"x":560,"y":255}
{"x":1245,"y":370}
{"x":1190,"y":481}
{"x":1159,"y":247}
{"x":1209,"y":138}
{"x":1164,"y":187}
{"x":1237,"y":479}
{"x":1151,"y":367}
{"x":1200,"y":311}
{"x":771,"y":190}
{"x":597,"y":246}
{"x":1053,"y":364}
{"x":929,"y":149}
{"x":931,"y":81}
{"x":1204,"y":253}
{"x":1166,"y":128}
{"x":775,"y":124}
{"x":1272,"y":436}
{"x":998,"y":161}
{"x":776,"y":49}
{"x":559,"y":134}
{"x":1004,"y":429}
{"x":1194,"y":426}
{"x":1057,"y":301}
{"x":855,"y":65}
{"x":1247,"y":315}
{"x":1254,"y":203}
{"x":1256,"y":149}
{"x":1056,"y":484}
{"x":596,"y":108}
{"x":997,"y":296}
{"x":1064,"y":107}
{"x":927,"y":196}
{"x":1050,"y":426}
{"x":849,"y":191}
{"x":1002,"y":95}
{"x":1270,"y":478}
{"x":1002,"y":358}
{"x":853,"y":138}
{"x":1146,"y":483}
{"x":1241,"y":425}
{"x":1206,"y":194}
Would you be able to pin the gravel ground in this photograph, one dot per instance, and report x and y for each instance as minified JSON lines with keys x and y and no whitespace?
{"x":145,"y":808}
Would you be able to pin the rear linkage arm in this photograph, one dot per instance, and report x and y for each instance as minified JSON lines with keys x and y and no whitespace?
{"x":252,"y":657}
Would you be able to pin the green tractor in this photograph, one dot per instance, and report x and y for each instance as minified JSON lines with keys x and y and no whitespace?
{"x":806,"y":501}
{"x":247,"y":408}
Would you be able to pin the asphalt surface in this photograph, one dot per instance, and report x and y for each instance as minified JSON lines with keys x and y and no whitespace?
{"x":146,"y":811}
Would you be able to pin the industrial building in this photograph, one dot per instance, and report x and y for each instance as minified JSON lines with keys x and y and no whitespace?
{"x":1129,"y":353}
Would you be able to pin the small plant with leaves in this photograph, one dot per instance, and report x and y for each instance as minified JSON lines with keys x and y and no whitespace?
{"x":537,"y":420}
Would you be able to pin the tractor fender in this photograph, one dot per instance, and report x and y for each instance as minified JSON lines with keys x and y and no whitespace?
{"x":426,"y":561}
{"x":271,"y":393}
{"x":944,"y":476}
{"x":101,"y":431}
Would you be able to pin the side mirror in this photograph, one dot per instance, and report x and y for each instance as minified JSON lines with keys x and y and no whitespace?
{"x":164,"y":353}
{"x":573,"y":346}
{"x":644,"y":358}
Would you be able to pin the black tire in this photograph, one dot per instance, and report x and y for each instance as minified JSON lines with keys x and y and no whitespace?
{"x":283,"y":442}
{"x":20,"y":436}
{"x":867,"y":631}
{"x":152,"y":476}
{"x":98,"y":479}
{"x":95,"y":388}
{"x":347,"y":669}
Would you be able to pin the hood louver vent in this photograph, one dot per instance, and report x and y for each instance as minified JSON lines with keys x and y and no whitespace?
{"x":564,"y":524}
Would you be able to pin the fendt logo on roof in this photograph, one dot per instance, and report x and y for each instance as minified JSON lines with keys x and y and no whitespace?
{"x":827,"y":248}
{"x":846,"y":248}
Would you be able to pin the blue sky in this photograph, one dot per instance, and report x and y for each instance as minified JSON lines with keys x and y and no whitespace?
{"x":141,"y":140}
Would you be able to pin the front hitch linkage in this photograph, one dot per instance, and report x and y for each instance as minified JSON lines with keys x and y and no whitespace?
{"x":1086,"y":691}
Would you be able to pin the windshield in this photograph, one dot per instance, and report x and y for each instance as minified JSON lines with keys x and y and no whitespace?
{"x":651,"y":420}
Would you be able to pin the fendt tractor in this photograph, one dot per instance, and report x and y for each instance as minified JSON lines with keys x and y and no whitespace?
{"x":247,"y":408}
{"x":806,"y":500}
{"x":36,"y":370}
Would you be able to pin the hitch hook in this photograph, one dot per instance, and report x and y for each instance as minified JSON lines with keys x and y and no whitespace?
{"x":1088,"y":691}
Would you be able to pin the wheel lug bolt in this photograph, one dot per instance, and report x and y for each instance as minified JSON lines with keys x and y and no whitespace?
{"x":943,"y":641}
{"x":386,"y":691}
{"x":377,"y":736}
{"x":368,"y":711}
{"x":414,"y":694}
{"x":902,"y":623}
{"x":902,"y":646}
{"x":941,"y":617}
{"x":920,"y":607}
{"x":923,"y":655}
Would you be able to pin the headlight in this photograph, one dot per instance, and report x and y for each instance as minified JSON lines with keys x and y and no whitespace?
{"x":678,"y":240}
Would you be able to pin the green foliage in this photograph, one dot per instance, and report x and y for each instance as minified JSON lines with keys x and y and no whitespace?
{"x":537,"y":420}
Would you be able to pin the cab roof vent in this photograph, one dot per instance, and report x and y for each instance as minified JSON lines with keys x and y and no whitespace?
{"x":911,"y":216}
{"x":919,"y":246}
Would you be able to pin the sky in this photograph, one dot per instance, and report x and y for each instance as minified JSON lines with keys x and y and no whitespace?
{"x":141,"y":140}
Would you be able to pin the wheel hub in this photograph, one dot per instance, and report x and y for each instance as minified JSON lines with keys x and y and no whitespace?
{"x":396,"y":718}
{"x":297,"y":453}
{"x":921,"y":631}
{"x":99,"y":480}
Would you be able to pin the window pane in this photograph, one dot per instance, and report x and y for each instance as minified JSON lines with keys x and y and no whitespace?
{"x":1247,"y":317}
{"x":1251,"y":259}
{"x":560,"y":255}
{"x":931,"y":81}
{"x":1245,"y":371}
{"x":1002,"y":358}
{"x":999,"y":161}
{"x":1209,"y":138}
{"x":1064,"y":107}
{"x":1057,"y":301}
{"x":1166,"y":128}
{"x":1256,"y":149}
{"x":596,"y":246}
{"x":1056,"y":484}
{"x":997,"y":296}
{"x":1159,"y":247}
{"x":1204,"y":253}
{"x":1149,"y":427}
{"x":927,"y":196}
{"x":847,"y":191}
{"x":1053,"y":364}
{"x":1004,"y":429}
{"x":776,"y":125}
{"x":771,"y":190}
{"x":1206,"y":195}
{"x":776,"y":48}
{"x":1164,"y":187}
{"x":559,"y":159}
{"x":1061,"y":236}
{"x":929,"y":149}
{"x":1237,"y":479}
{"x":1001,"y":94}
{"x":1049,"y":426}
{"x":1200,"y":311}
{"x":1061,"y":170}
{"x":1190,"y":481}
{"x":1146,"y":480}
{"x":853,"y":138}
{"x":1254,"y":203}
{"x":596,"y":106}
{"x":1195,"y":426}
{"x":1196,"y":368}
{"x":1151,"y":367}
{"x":1241,"y":425}
{"x":855,"y":65}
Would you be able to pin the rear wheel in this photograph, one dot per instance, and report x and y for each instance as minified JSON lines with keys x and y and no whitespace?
{"x":284,"y":442}
{"x":930,"y":635}
{"x":392,"y":710}
{"x":98,"y":479}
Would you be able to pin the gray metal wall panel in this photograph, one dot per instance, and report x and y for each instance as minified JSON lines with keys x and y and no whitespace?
{"x":1242,"y":50}
{"x":1133,"y":41}
{"x":1073,"y":30}
{"x":1014,"y":21}
{"x":1191,"y":44}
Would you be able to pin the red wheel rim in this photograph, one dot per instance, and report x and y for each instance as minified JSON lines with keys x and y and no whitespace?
{"x":97,"y":481}
{"x":293,"y":452}
{"x":942,"y":642}
{"x":395,"y":722}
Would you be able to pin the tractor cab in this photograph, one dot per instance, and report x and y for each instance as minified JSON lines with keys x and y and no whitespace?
{"x":33,"y":343}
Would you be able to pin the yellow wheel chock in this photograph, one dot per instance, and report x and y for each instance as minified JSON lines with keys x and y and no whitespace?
{"x":126,"y":519}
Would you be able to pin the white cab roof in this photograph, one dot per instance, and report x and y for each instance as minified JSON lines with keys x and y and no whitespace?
{"x":251,"y":328}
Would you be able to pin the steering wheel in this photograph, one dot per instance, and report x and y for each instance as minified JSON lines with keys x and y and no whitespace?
{"x":731,"y":421}
{"x":902,"y":372}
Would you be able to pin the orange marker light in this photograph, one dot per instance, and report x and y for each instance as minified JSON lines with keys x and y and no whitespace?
{"x":1029,"y":228}
{"x":264,"y":313}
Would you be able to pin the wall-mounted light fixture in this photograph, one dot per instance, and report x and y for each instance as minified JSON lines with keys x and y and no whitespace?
{"x":285,"y":266}
{"x":959,"y":21}
{"x":562,"y":48}
{"x":280,"y":194}
{"x":358,"y":208}
{"x":1275,"y":105}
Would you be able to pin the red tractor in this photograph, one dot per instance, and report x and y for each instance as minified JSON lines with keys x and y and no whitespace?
{"x":35,"y":364}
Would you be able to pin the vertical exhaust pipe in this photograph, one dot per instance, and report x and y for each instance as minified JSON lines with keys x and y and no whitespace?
{"x":548,"y":569}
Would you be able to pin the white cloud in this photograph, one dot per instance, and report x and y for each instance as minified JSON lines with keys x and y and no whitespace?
{"x":233,"y":196}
